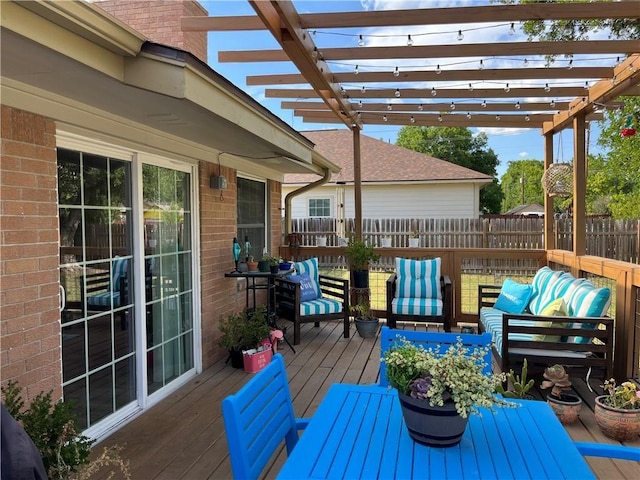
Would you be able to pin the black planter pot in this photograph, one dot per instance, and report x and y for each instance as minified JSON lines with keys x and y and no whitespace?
{"x":263,"y":266}
{"x":274,"y":268}
{"x":361,"y":279}
{"x":367,"y":327}
{"x":432,"y":426}
{"x":237,"y":360}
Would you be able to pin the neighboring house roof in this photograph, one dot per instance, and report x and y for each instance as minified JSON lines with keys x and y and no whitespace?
{"x":381,"y":161}
{"x":528,"y":209}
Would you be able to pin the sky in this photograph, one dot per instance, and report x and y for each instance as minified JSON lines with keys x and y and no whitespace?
{"x":508,"y":144}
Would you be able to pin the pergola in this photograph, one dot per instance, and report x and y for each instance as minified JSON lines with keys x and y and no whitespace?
{"x":452,"y":94}
{"x":457,"y":83}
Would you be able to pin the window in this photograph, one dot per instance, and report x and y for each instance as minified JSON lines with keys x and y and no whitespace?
{"x":319,"y":207}
{"x":252,"y":217}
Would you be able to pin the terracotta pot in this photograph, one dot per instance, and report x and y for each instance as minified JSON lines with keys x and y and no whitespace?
{"x":566,"y":407}
{"x":252,"y":266}
{"x":617,"y":423}
{"x":433,"y":426}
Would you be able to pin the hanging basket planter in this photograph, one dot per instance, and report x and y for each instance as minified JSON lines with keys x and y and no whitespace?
{"x":557,"y":180}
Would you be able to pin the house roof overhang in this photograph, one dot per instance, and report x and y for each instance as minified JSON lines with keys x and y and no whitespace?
{"x":76,"y":64}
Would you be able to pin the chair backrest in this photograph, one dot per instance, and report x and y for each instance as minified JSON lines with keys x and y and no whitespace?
{"x":310,"y":266}
{"x":592,"y":449}
{"x":119,"y":269}
{"x":418,"y":278}
{"x":390,"y":336}
{"x":258,"y":418}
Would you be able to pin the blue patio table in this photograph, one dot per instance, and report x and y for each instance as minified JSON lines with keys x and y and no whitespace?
{"x":358,"y":432}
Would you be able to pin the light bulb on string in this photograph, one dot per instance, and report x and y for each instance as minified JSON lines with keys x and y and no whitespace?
{"x":360,"y":41}
{"x":420,"y":107}
{"x":526,"y":62}
{"x":517,"y":105}
{"x":468,"y":116}
{"x":552,"y":104}
{"x":412,"y":119}
{"x":570,"y":64}
{"x":470,"y":88}
{"x":343,"y":92}
{"x":355,"y":70}
{"x":507,"y":89}
{"x":433,"y":91}
{"x":409,"y":41}
{"x":512,"y":29}
{"x":396,"y":72}
{"x":360,"y":104}
{"x":460,"y":36}
{"x":527,"y":118}
{"x":452,"y":106}
{"x":497,"y":117}
{"x":363,"y":89}
{"x":481,"y":66}
{"x":586,"y":85}
{"x":440,"y":118}
{"x":547,"y":88}
{"x":389,"y":107}
{"x":384,"y":118}
{"x":484,"y":104}
{"x":438,"y":70}
{"x":397,"y":94}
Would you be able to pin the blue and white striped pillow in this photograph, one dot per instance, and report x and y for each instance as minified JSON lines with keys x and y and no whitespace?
{"x":418,"y":278}
{"x":310,"y":266}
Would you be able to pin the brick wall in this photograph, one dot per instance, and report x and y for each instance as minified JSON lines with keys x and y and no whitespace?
{"x":30,"y":351}
{"x":159,"y":21}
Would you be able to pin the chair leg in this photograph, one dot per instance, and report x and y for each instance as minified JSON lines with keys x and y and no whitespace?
{"x":346,"y":326}
{"x":296,"y":331}
{"x":391,"y":321}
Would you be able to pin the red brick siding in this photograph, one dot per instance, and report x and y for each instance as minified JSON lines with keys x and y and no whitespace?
{"x":159,"y":21}
{"x":30,"y":351}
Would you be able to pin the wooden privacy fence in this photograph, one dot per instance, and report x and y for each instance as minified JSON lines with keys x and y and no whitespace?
{"x":604,"y":237}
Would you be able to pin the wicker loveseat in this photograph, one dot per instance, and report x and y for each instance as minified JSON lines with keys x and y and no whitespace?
{"x":563,"y":320}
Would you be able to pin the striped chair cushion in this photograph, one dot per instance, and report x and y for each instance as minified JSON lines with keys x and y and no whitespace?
{"x":426,"y":307}
{"x":320,"y":306}
{"x":492,"y":321}
{"x":543,"y":291}
{"x":104,"y":299}
{"x":119,"y":269}
{"x":310,"y":266}
{"x":588,"y":301}
{"x":418,"y":278}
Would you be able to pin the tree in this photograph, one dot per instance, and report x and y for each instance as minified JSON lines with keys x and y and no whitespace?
{"x":457,"y":145}
{"x":522,"y":183}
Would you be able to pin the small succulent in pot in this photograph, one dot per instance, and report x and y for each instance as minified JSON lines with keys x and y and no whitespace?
{"x":557,"y":379}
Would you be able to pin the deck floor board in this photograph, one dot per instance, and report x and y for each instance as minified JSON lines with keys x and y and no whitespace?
{"x":182,"y":437}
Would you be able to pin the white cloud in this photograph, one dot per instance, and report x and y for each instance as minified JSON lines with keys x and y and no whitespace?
{"x":500,"y":131}
{"x":523,"y":154}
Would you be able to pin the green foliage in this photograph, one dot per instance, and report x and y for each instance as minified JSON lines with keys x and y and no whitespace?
{"x":456,"y":373}
{"x":359,"y":253}
{"x":625,"y":396}
{"x":244,"y":330}
{"x":530,"y":171}
{"x":51,"y":426}
{"x":457,"y":145}
{"x":520,"y":384}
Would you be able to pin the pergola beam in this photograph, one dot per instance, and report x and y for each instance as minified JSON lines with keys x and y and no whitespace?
{"x":433,"y":107}
{"x":425,"y":16}
{"x":481,"y":50}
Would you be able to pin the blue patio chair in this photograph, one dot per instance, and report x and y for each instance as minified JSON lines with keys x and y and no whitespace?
{"x":389,"y":336}
{"x":591,"y":449}
{"x":258,"y":418}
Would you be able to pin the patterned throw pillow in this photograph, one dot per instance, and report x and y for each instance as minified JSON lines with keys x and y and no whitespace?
{"x":307,"y":286}
{"x":514,"y":297}
{"x":310,"y":267}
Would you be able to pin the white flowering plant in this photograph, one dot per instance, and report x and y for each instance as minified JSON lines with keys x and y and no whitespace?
{"x":456,"y":374}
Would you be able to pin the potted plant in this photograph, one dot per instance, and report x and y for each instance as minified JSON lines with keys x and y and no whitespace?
{"x":243,"y":331}
{"x":366,"y":325}
{"x":617,"y":412}
{"x":414,"y":239}
{"x":272,"y":262}
{"x":439,"y":390}
{"x":359,"y":254}
{"x":321,"y":240}
{"x":519,"y":384}
{"x":565,"y":405}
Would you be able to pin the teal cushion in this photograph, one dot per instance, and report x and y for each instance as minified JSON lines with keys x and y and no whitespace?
{"x":320,"y":306}
{"x":589,"y":301}
{"x":310,"y":267}
{"x":307,"y":286}
{"x":542,"y":281}
{"x":418,"y":278}
{"x":514,"y":297}
{"x":425,"y":307}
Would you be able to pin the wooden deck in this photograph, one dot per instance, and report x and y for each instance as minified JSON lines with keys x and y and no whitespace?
{"x":183,"y":436}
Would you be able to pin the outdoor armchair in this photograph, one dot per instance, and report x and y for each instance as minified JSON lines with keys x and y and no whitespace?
{"x":308,"y":297}
{"x":417,"y":292}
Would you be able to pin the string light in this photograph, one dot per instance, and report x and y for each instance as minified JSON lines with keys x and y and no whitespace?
{"x":460,"y":36}
{"x":497,"y":117}
{"x":360,"y":104}
{"x":586,"y":85}
{"x":484,"y":104}
{"x":355,"y":70}
{"x":552,"y":104}
{"x":363,"y":89}
{"x":452,"y":106}
{"x":438,"y":70}
{"x":389,"y":107}
{"x":512,"y":29}
{"x":396,"y":72}
{"x":506,"y":88}
{"x":412,"y":119}
{"x":360,"y":41}
{"x":527,"y":118}
{"x":517,"y":105}
{"x":420,"y":107}
{"x":470,"y":88}
{"x":526,"y":62}
{"x":570,"y":64}
{"x":481,"y":66}
{"x":433,"y":91}
{"x":409,"y":41}
{"x":547,"y":88}
{"x":397,"y":94}
{"x":343,"y":92}
{"x":440,"y":118}
{"x":384,"y":118}
{"x":468,"y":116}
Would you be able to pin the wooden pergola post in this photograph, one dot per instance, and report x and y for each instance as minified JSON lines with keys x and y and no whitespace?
{"x":549,"y":237}
{"x":357,"y":181}
{"x":579,"y":185}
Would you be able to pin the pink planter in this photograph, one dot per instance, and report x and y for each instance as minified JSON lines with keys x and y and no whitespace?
{"x":255,"y":361}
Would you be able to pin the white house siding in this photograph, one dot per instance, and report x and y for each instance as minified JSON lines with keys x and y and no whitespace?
{"x":441,"y":200}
